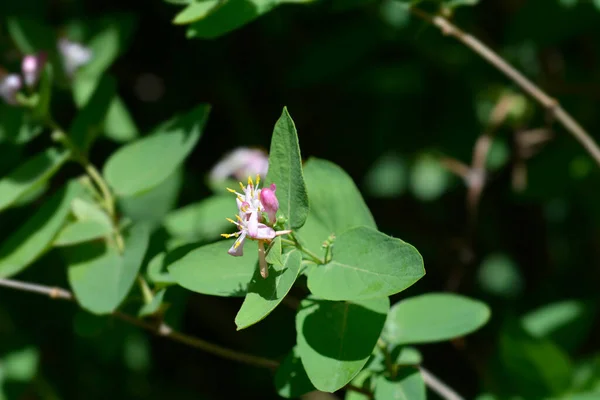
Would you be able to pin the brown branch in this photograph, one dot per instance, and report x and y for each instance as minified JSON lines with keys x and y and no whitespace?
{"x":160,"y":330}
{"x":551,"y":105}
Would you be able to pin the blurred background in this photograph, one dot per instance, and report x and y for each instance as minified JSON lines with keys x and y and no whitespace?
{"x":398,"y":106}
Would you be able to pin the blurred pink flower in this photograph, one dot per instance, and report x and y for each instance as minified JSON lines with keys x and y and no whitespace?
{"x":241,"y":163}
{"x":74,"y":55}
{"x":9,"y":86}
{"x":32,"y":67}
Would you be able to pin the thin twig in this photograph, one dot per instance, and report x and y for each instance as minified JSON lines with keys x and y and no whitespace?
{"x":161,"y":330}
{"x":551,"y":104}
{"x":439,"y":387}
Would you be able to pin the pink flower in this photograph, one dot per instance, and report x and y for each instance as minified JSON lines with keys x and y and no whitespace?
{"x":74,"y":55}
{"x":240,"y":163}
{"x":32,"y":67}
{"x":9,"y":86}
{"x":270,"y":202}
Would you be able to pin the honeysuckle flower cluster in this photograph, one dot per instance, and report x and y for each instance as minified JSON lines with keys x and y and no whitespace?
{"x":241,"y":163}
{"x":32,"y":66}
{"x":252,"y":203}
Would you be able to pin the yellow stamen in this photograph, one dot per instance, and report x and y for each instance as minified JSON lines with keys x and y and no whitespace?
{"x":230,"y":220}
{"x":250,"y":181}
{"x":237,"y":244}
{"x":231,"y":190}
{"x":257,"y":180}
{"x":242,"y":186}
{"x":239,"y":218}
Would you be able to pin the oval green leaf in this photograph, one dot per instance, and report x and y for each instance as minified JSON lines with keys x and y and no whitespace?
{"x":100,"y":276}
{"x":30,"y":175}
{"x":81,"y":231}
{"x":407,"y":385}
{"x":266,"y":294}
{"x":366,"y":263}
{"x":35,"y":236}
{"x":336,"y":204}
{"x":434,"y":317}
{"x":211,"y":270}
{"x":285,"y":170}
{"x":147,"y":162}
{"x":335,"y":339}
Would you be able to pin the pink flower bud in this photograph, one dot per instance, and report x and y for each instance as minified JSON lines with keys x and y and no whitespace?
{"x":9,"y":86}
{"x":270,"y":202}
{"x":32,"y":67}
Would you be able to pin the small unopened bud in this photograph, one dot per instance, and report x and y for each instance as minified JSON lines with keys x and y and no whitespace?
{"x":32,"y":67}
{"x":9,"y":86}
{"x":270,"y":202}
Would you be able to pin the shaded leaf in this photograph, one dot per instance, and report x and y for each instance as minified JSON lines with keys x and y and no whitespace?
{"x":335,"y":339}
{"x":408,"y":385}
{"x":291,"y":380}
{"x":266,"y":294}
{"x":81,"y":231}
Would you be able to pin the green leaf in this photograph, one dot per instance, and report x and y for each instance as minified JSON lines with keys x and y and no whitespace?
{"x":155,"y":271}
{"x":291,"y":380}
{"x":85,"y":210}
{"x":202,"y":221}
{"x":408,"y":385}
{"x":335,"y":339}
{"x":535,"y":367}
{"x":147,"y":162}
{"x":30,"y":175}
{"x":366,"y":263}
{"x":153,"y":206}
{"x":152,"y":307}
{"x":335,"y":203}
{"x":211,"y":270}
{"x":363,"y":380}
{"x":285,"y":170}
{"x":196,"y":11}
{"x":20,"y":365}
{"x":566,"y":323}
{"x":232,"y":15}
{"x":35,"y":236}
{"x":118,"y":124}
{"x":44,"y":93}
{"x":81,"y":231}
{"x":434,"y":317}
{"x":274,"y":252}
{"x":100,"y":276}
{"x":105,"y":48}
{"x":89,"y":121}
{"x":31,"y":35}
{"x":266,"y":294}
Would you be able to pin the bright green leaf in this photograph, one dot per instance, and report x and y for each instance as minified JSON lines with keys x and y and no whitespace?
{"x":434,"y":317}
{"x":211,"y":270}
{"x":266,"y":294}
{"x":196,"y":11}
{"x":156,"y":274}
{"x":35,"y":236}
{"x":363,"y":380}
{"x":408,"y":385}
{"x":285,"y":170}
{"x":147,"y":162}
{"x":30,"y":175}
{"x":291,"y":380}
{"x":81,"y":231}
{"x":85,"y":210}
{"x":335,"y":339}
{"x":100,"y":276}
{"x":366,"y":263}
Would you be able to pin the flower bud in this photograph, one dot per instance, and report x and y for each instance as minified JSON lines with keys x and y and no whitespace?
{"x":270,"y":202}
{"x":32,"y":67}
{"x":9,"y":86}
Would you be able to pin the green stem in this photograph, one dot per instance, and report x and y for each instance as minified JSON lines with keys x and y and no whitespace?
{"x":388,"y":358}
{"x":309,"y":253}
{"x":146,"y":292}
